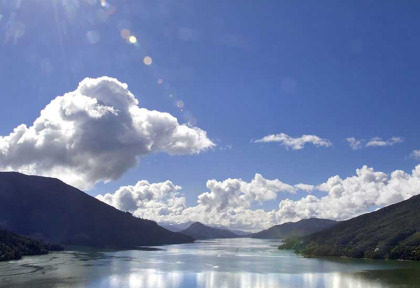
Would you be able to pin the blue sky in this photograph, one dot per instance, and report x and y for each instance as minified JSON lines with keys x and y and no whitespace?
{"x":243,"y":69}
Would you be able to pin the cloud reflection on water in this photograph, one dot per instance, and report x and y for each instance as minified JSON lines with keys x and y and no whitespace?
{"x":218,"y":263}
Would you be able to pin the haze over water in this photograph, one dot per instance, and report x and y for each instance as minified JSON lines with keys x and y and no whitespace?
{"x":214,"y":263}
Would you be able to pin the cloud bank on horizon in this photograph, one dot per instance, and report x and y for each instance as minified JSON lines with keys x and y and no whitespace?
{"x":95,"y":133}
{"x":228,"y":203}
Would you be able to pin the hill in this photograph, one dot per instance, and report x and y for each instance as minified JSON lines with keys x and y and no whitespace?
{"x":201,"y":232}
{"x":47,"y":208}
{"x":13,"y":247}
{"x":176,"y":227}
{"x":295,"y":229}
{"x":240,"y":233}
{"x":392,"y":232}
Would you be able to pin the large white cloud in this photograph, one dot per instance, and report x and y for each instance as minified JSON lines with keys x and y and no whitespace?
{"x":228,"y":202}
{"x":155,"y":201}
{"x":95,"y":133}
{"x":295,"y":143}
{"x":236,"y":193}
{"x":343,"y":199}
{"x":352,"y":196}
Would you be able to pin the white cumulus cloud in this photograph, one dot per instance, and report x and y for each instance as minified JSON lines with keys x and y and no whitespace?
{"x":352,"y":196}
{"x":229,"y":202}
{"x":154,"y":201}
{"x":95,"y":133}
{"x":236,"y":193}
{"x":295,"y":143}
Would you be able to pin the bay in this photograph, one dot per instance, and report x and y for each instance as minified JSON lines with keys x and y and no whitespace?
{"x":217,"y":263}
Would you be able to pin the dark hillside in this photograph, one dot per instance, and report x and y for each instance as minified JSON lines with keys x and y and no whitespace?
{"x":392,"y":232}
{"x":47,"y":208}
{"x":295,"y":229}
{"x":13,"y":247}
{"x":200,"y":232}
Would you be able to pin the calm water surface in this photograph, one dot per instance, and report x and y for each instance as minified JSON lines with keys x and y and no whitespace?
{"x":216,"y":263}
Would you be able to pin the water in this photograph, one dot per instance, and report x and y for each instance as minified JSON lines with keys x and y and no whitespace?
{"x":216,"y":263}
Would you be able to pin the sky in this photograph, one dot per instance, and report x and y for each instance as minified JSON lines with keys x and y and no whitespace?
{"x":244,"y":114}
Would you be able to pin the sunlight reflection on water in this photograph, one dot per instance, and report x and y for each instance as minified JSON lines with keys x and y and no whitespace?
{"x":216,"y":263}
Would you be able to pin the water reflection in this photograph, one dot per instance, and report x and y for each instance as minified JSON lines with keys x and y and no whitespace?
{"x":155,"y":278}
{"x":218,"y":263}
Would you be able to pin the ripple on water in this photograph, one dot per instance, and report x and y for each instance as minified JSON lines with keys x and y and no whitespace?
{"x":213,"y":263}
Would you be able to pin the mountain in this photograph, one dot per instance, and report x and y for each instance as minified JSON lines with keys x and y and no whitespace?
{"x":295,"y":229}
{"x":46,"y":208}
{"x":13,"y":247}
{"x":201,"y":232}
{"x":176,"y":227}
{"x":241,"y":233}
{"x":392,"y":232}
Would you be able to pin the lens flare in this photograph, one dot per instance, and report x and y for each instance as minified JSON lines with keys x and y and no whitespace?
{"x":147,"y":60}
{"x":192,"y":122}
{"x":125,"y":34}
{"x":93,"y":37}
{"x":180,"y":104}
{"x":132,"y":39}
{"x":104,"y":3}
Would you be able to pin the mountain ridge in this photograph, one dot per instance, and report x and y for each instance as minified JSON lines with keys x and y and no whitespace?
{"x":60,"y":213}
{"x":392,"y":232}
{"x":295,"y":229}
{"x":200,"y":231}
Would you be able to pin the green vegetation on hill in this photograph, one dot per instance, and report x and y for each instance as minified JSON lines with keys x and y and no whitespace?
{"x":13,"y":246}
{"x":295,"y":229}
{"x":389,"y":233}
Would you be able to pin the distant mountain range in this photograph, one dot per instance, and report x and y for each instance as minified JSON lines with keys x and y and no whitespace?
{"x":177,"y":227}
{"x":295,"y":229}
{"x":47,"y":208}
{"x":13,"y":247}
{"x":303,"y":227}
{"x":202,"y":232}
{"x":241,"y":233}
{"x":392,"y":232}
